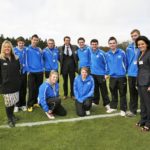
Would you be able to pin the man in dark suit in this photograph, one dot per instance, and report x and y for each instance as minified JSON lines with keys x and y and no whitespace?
{"x":68,"y":64}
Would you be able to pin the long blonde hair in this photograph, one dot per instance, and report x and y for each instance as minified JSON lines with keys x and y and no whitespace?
{"x":2,"y":54}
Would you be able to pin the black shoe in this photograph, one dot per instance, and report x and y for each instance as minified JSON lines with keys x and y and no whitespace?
{"x":11,"y":124}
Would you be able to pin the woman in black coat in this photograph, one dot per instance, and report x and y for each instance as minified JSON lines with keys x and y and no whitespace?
{"x":9,"y":80}
{"x":143,"y":79}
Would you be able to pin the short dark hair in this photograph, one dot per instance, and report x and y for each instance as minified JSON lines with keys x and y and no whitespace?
{"x":94,"y":41}
{"x":112,"y":38}
{"x":34,"y":36}
{"x":20,"y":38}
{"x":81,"y":38}
{"x":145,"y":39}
{"x":135,"y":30}
{"x":67,"y":37}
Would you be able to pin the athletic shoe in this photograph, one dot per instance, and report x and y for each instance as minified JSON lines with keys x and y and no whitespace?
{"x":87,"y":113}
{"x":50,"y":116}
{"x":122,"y":113}
{"x":94,"y":105}
{"x":107,"y":107}
{"x":30,"y":109}
{"x":24,"y":108}
{"x":111,"y":110}
{"x":130,"y":114}
{"x":16,"y":109}
{"x":36,"y":105}
{"x":65,"y":97}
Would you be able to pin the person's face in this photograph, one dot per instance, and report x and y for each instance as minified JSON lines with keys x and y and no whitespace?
{"x":81,"y":43}
{"x":34,"y":41}
{"x":142,"y":46}
{"x":50,"y":44}
{"x":84,"y":74}
{"x":112,"y":44}
{"x":67,"y":41}
{"x":53,"y":78}
{"x":7,"y":49}
{"x":20,"y":44}
{"x":134,"y":36}
{"x":94,"y":45}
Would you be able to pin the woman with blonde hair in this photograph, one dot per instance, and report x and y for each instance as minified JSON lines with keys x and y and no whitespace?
{"x":48,"y":97}
{"x":84,"y":92}
{"x":9,"y":79}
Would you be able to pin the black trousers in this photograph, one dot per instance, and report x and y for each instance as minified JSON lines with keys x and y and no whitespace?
{"x":47,"y":74}
{"x":68,"y":70}
{"x":100,"y":86}
{"x":34,"y":81}
{"x":133,"y":105}
{"x":10,"y":113}
{"x":22,"y":91}
{"x":55,"y":105}
{"x":82,"y":107}
{"x":115,"y":85}
{"x":144,"y":105}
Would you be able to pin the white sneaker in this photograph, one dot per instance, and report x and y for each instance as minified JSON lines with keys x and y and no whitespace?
{"x":94,"y":105}
{"x":50,"y":116}
{"x":87,"y":113}
{"x":16,"y":109}
{"x":107,"y":107}
{"x":122,"y":113}
{"x":111,"y":110}
{"x":24,"y":108}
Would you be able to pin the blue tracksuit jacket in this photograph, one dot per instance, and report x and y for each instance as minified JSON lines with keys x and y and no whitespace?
{"x":83,"y":89}
{"x":47,"y":91}
{"x":117,"y":63}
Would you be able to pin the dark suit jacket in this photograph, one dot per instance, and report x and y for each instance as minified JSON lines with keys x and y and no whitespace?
{"x":74,"y":53}
{"x":144,"y":70}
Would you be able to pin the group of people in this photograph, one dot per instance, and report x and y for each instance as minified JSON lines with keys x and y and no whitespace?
{"x":21,"y":65}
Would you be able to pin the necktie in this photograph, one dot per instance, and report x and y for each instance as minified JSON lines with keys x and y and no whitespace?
{"x":67,"y":51}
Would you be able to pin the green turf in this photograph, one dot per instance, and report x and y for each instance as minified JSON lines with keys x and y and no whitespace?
{"x":116,"y":133}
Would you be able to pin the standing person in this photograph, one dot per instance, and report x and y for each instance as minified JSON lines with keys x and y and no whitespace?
{"x":48,"y":97}
{"x":68,"y":64}
{"x":20,"y":51}
{"x":34,"y":63}
{"x":9,"y":80}
{"x":116,"y":60}
{"x":83,"y":53}
{"x":143,"y":79}
{"x":99,"y":71}
{"x":50,"y":57}
{"x":84,"y":92}
{"x":132,"y":54}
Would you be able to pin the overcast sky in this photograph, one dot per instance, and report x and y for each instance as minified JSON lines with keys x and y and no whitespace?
{"x":88,"y":18}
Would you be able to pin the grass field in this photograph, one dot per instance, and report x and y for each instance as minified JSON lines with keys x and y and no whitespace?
{"x":116,"y":133}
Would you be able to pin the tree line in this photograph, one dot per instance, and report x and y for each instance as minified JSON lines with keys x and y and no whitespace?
{"x":42,"y":43}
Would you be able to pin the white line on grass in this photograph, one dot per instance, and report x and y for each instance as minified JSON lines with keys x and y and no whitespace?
{"x":30,"y":124}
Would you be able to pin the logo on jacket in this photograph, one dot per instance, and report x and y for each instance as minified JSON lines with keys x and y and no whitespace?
{"x":119,"y":56}
{"x":5,"y":64}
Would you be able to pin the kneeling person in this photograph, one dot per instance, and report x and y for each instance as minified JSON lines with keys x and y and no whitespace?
{"x":48,"y":97}
{"x":84,"y":91}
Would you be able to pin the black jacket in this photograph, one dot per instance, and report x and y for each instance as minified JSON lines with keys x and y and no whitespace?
{"x":144,"y":70}
{"x":9,"y":76}
{"x":74,"y":49}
